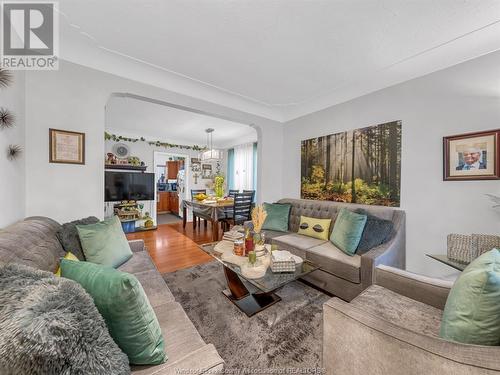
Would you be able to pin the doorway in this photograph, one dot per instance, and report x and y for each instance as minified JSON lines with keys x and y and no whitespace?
{"x":170,"y":173}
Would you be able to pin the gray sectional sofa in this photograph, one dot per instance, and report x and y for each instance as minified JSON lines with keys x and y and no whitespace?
{"x":340,"y":274}
{"x":33,"y":242}
{"x":394,"y":325}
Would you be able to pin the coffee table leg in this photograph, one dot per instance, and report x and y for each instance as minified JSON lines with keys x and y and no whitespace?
{"x":237,"y":288}
{"x":249,"y":303}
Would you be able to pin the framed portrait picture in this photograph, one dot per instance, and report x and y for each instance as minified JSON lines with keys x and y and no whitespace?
{"x":472,"y":156}
{"x":66,"y":147}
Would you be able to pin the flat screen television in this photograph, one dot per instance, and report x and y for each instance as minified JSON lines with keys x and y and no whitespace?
{"x":120,"y":186}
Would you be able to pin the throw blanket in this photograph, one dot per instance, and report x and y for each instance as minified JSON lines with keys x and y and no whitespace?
{"x":50,"y":325}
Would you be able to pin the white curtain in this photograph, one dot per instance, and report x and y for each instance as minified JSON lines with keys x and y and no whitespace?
{"x":243,"y":167}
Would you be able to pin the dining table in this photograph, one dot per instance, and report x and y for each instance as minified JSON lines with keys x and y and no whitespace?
{"x":208,"y":209}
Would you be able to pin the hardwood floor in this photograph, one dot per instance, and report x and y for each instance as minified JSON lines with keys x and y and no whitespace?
{"x":172,"y":247}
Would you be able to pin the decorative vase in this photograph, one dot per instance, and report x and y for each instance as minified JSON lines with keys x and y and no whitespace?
{"x":259,"y":240}
{"x":219,"y":186}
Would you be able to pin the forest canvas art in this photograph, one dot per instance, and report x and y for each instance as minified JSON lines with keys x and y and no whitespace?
{"x":357,"y":166}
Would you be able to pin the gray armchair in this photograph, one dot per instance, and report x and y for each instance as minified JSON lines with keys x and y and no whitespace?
{"x":393,"y":328}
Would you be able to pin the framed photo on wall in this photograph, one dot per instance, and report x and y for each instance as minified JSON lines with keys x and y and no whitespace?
{"x":472,"y":156}
{"x":66,"y":147}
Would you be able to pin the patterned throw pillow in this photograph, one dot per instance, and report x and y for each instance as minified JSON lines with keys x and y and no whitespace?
{"x":316,"y":228}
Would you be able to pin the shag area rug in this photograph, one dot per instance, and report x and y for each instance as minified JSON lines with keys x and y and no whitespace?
{"x":285,"y":335}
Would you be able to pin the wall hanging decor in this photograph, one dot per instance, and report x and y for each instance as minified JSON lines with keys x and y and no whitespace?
{"x":5,"y":78}
{"x":14,"y":151}
{"x":6,"y":118}
{"x":119,"y":138}
{"x":357,"y":166}
{"x":66,"y":147}
{"x":472,"y":156}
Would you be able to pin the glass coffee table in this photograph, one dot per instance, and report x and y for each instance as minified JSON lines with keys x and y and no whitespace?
{"x":253,"y":302}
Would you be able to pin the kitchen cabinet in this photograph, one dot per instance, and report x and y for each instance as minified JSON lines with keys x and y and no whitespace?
{"x":163,"y":202}
{"x":172,"y":169}
{"x":167,"y":201}
{"x":174,"y":203}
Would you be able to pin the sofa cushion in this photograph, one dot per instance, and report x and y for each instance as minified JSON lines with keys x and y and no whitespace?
{"x":277,"y":216}
{"x":139,"y":262}
{"x":70,"y":256}
{"x":68,"y":236}
{"x":472,"y":311}
{"x":297,"y":241}
{"x":313,"y":227}
{"x":122,"y":302}
{"x":50,"y":325}
{"x":332,"y":260}
{"x":155,"y":287}
{"x":377,"y":231}
{"x":399,"y":310}
{"x":32,"y":242}
{"x":347,"y":230}
{"x":104,"y":242}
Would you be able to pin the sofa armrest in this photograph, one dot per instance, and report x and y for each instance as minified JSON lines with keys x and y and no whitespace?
{"x":420,"y":288}
{"x":391,"y":253}
{"x":137,"y":245}
{"x":392,"y":349}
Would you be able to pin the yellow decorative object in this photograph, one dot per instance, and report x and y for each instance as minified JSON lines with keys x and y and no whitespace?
{"x":200,"y":197}
{"x":316,"y":228}
{"x":259,"y":215}
{"x":69,"y":256}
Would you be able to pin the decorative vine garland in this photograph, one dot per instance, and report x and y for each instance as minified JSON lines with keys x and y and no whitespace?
{"x":119,"y":138}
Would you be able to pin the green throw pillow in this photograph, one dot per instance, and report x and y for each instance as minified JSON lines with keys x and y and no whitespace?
{"x":277,"y":216}
{"x":472,"y":311}
{"x":347,"y":230}
{"x":316,"y":228}
{"x":104,"y":242}
{"x":120,"y":299}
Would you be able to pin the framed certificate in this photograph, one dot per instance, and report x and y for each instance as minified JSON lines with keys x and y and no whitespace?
{"x":66,"y":147}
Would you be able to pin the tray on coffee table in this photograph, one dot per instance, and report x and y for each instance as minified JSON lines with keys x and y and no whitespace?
{"x":238,"y":293}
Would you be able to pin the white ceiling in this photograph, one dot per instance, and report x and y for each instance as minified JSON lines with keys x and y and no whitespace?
{"x":131,"y":117}
{"x":277,"y":58}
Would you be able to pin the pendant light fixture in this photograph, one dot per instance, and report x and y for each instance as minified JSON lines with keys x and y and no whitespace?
{"x":210,"y":154}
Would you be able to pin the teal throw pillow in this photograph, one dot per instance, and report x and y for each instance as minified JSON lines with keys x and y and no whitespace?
{"x":347,"y":231}
{"x":104,"y":242}
{"x":277,"y":216}
{"x":472,"y":311}
{"x":121,"y":301}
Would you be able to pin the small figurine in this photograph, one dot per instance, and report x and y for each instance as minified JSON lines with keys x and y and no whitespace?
{"x":111,"y":158}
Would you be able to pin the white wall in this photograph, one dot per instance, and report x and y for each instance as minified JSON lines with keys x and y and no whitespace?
{"x":74,"y":98}
{"x":12,"y":173}
{"x":461,"y":99}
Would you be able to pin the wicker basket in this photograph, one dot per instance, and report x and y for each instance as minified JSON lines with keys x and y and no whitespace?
{"x":282,"y":265}
{"x":485,"y":242}
{"x":460,"y":248}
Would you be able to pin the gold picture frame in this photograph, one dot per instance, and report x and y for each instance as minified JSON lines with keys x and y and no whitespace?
{"x":66,"y":147}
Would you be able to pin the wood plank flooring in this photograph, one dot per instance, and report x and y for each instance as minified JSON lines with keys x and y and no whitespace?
{"x":172,"y":247}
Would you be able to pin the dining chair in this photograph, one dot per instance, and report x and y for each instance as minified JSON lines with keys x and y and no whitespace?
{"x":250,"y":191}
{"x":193,"y":193}
{"x":241,"y":210}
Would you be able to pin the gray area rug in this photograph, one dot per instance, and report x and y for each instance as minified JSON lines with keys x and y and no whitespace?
{"x":286,"y":335}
